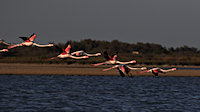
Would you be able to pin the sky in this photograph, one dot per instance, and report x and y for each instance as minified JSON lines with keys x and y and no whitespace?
{"x":171,"y":23}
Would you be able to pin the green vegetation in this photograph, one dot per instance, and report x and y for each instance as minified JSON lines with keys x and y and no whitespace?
{"x":149,"y":53}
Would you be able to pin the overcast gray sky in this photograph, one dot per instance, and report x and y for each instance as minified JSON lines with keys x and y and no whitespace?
{"x":171,"y":23}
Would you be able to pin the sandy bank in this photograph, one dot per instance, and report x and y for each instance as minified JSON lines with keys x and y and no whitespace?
{"x":75,"y":69}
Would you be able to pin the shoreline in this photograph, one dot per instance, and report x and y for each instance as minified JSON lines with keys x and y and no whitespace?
{"x":82,"y":70}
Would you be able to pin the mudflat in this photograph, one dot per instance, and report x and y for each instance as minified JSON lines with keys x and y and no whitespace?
{"x":76,"y":69}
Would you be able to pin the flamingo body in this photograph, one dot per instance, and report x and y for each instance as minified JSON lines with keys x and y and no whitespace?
{"x":64,"y":55}
{"x":27,"y":43}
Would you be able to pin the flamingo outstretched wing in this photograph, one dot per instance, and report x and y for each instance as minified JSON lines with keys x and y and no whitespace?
{"x":156,"y":74}
{"x":127,"y":70}
{"x":121,"y":73}
{"x":68,"y":48}
{"x":60,"y":50}
{"x":32,"y":37}
{"x":24,"y":38}
{"x":106,"y":56}
{"x":13,"y":46}
{"x":114,"y":57}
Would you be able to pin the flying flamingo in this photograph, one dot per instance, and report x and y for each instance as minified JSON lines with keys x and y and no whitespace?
{"x":28,"y":41}
{"x":80,"y":53}
{"x":124,"y":69}
{"x":112,"y":60}
{"x":156,"y":71}
{"x":65,"y":53}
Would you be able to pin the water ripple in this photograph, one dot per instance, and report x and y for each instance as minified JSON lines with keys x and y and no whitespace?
{"x":98,"y":93}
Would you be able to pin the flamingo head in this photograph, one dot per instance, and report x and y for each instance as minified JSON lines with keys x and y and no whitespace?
{"x":133,"y":61}
{"x":86,"y":56}
{"x":51,"y":45}
{"x":173,"y":68}
{"x":143,"y":68}
{"x":69,"y":46}
{"x":98,"y":54}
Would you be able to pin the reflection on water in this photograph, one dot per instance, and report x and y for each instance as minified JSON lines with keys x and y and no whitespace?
{"x":98,"y":93}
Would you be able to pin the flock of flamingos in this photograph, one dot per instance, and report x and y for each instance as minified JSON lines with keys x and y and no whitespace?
{"x":122,"y":67}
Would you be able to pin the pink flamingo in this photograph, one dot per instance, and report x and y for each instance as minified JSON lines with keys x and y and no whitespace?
{"x":112,"y":60}
{"x":156,"y":71}
{"x":28,"y":41}
{"x":80,"y":53}
{"x":65,"y":53}
{"x":124,"y":69}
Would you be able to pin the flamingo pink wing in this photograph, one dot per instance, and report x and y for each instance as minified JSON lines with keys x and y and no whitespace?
{"x":32,"y":37}
{"x":68,"y":49}
{"x":114,"y":57}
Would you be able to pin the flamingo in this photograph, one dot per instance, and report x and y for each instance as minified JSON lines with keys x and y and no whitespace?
{"x":124,"y":69}
{"x":80,"y":53}
{"x":156,"y":71}
{"x":3,"y":42}
{"x":112,"y":60}
{"x":28,"y":41}
{"x":65,"y":53}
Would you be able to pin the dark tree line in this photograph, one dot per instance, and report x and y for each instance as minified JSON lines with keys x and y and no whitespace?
{"x":149,"y":53}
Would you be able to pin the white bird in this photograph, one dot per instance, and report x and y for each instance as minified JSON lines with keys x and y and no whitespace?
{"x":156,"y":71}
{"x":112,"y":60}
{"x":124,"y":69}
{"x":81,"y":53}
{"x":65,"y":53}
{"x":4,"y":50}
{"x":28,"y":41}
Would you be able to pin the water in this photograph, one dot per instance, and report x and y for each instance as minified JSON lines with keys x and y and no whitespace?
{"x":98,"y":93}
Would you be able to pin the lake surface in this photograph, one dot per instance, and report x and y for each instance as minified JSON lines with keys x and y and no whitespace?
{"x":21,"y":93}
